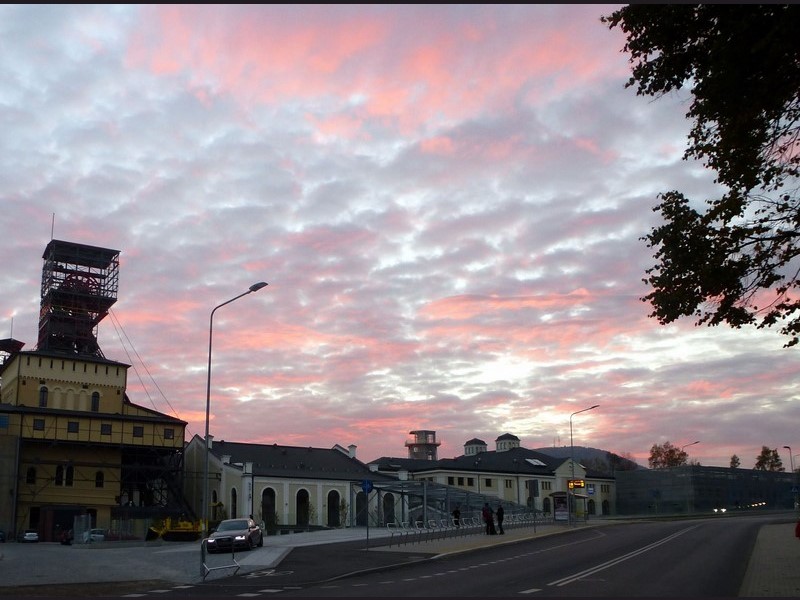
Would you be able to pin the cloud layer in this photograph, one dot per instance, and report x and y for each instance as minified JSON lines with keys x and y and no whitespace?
{"x":447,"y":203}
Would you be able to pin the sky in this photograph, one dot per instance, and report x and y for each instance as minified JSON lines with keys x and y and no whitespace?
{"x":447,"y":203}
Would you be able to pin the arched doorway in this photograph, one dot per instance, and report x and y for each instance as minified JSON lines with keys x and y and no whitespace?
{"x":268,"y":511}
{"x":590,"y":508}
{"x":606,"y":507}
{"x":333,"y":509}
{"x":234,"y":504}
{"x":361,"y":509}
{"x":388,"y":508}
{"x":546,"y":506}
{"x":302,"y":507}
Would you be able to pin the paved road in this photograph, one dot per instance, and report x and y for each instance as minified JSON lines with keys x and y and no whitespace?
{"x":155,"y":568}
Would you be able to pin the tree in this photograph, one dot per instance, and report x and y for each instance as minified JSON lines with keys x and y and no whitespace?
{"x":735,"y":462}
{"x":736,"y":260}
{"x":768,"y":460}
{"x":665,"y":456}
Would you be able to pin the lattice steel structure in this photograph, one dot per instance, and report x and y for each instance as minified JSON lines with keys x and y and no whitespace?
{"x":79,"y":287}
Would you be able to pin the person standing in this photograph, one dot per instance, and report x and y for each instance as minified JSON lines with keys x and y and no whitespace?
{"x":500,"y":515}
{"x":488,"y":518}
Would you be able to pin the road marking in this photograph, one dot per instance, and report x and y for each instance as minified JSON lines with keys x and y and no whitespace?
{"x":615,"y":561}
{"x":531,"y":591}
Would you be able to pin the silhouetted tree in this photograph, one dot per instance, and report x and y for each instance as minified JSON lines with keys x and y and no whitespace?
{"x":768,"y":460}
{"x":735,"y":261}
{"x":735,"y":462}
{"x":666,"y":455}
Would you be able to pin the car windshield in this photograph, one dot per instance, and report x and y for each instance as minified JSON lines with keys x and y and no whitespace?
{"x":232,"y":525}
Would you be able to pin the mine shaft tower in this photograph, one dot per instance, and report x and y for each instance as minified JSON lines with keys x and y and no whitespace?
{"x":79,"y":287}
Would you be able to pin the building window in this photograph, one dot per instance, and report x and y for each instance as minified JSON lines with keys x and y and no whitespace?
{"x":470,"y":482}
{"x":70,"y":476}
{"x":509,"y":483}
{"x":72,"y":427}
{"x":96,"y":402}
{"x":99,"y":479}
{"x":451,"y":480}
{"x":460,"y":481}
{"x":38,"y":424}
{"x":43,"y":396}
{"x":105,"y":428}
{"x":489,"y":483}
{"x":30,"y":476}
{"x":169,"y":433}
{"x":59,"y":475}
{"x":138,"y":431}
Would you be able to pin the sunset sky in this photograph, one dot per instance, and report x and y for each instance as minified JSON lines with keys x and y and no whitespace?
{"x":446,"y":201}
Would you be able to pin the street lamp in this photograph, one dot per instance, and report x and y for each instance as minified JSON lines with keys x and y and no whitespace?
{"x":572,"y":458}
{"x":253,"y":288}
{"x":791,"y":466}
{"x":690,"y":490}
{"x":687,"y":445}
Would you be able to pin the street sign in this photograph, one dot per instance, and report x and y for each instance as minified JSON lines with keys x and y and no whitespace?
{"x":367,"y":486}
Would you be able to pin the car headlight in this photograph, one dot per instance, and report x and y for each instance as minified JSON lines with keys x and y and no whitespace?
{"x":240,"y":537}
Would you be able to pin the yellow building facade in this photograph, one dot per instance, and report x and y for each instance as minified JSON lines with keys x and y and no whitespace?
{"x":72,"y":443}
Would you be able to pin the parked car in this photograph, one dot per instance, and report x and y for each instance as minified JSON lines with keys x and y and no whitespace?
{"x":29,"y":535}
{"x":235,"y":533}
{"x":94,"y":535}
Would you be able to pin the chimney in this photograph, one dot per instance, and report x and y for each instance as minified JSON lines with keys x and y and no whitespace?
{"x":210,"y":441}
{"x":351,"y":450}
{"x":226,"y":459}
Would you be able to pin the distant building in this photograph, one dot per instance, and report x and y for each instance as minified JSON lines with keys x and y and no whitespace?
{"x":695,"y":489}
{"x":71,"y":441}
{"x":510,"y":473}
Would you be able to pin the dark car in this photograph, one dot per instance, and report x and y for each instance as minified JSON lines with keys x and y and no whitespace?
{"x":2,"y":536}
{"x":235,"y":533}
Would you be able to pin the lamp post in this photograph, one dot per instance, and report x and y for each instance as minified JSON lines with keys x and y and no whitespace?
{"x":253,"y":288}
{"x":572,"y":459}
{"x":690,"y":489}
{"x":791,"y":466}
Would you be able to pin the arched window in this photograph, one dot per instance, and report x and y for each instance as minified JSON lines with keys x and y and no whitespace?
{"x":99,"y":479}
{"x":334,"y":519}
{"x":59,"y":475}
{"x":70,"y":476}
{"x":30,"y":476}
{"x":302,"y":507}
{"x":43,"y":396}
{"x":96,"y":402}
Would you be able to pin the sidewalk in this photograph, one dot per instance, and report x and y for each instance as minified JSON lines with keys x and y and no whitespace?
{"x":774,"y":567}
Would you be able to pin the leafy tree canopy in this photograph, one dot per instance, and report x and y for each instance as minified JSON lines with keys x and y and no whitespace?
{"x":735,"y":462}
{"x":664,"y":456}
{"x":738,"y":260}
{"x":768,"y":460}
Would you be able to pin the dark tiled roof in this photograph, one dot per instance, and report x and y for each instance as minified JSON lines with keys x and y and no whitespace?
{"x":474,"y":441}
{"x":273,"y":460}
{"x":507,"y":436}
{"x":516,"y":460}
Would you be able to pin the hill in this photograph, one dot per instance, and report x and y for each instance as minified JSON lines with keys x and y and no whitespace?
{"x":594,"y":459}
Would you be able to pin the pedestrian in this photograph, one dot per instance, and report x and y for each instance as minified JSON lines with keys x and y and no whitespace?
{"x":457,"y":517}
{"x":488,"y":518}
{"x":500,"y":514}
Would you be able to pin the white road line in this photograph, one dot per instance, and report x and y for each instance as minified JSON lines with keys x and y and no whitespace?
{"x":531,"y":591}
{"x":619,"y":559}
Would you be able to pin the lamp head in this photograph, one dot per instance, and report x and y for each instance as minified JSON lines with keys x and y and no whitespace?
{"x":257,"y":286}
